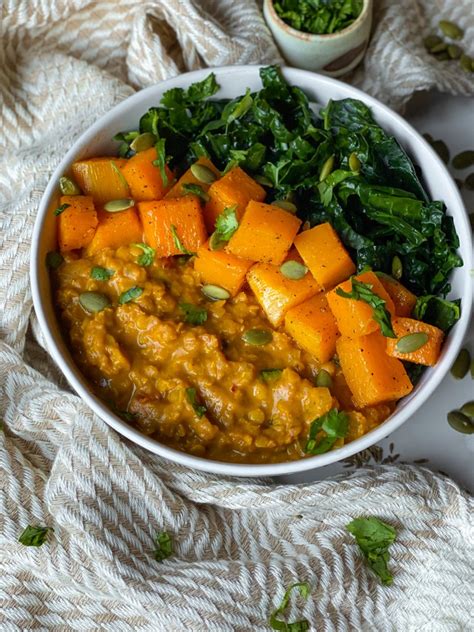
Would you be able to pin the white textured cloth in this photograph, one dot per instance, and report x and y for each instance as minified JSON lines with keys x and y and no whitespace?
{"x":238,"y":543}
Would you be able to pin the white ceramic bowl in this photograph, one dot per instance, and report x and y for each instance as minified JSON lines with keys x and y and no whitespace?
{"x":233,"y":81}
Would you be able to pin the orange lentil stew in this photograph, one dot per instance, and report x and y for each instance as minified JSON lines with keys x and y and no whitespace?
{"x":226,"y":305}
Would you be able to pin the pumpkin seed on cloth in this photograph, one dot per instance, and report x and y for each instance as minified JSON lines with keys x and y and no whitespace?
{"x":203,"y":173}
{"x":439,"y":48}
{"x":215,"y":292}
{"x":115,"y":206}
{"x":293,"y":270}
{"x":93,"y":301}
{"x":431,"y":41}
{"x":451,"y":29}
{"x":454,"y":51}
{"x":460,"y":422}
{"x":464,"y":159}
{"x":469,"y":182}
{"x":257,"y":337}
{"x":468,"y":409}
{"x":412,"y":342}
{"x":466,"y":63}
{"x":461,"y":364}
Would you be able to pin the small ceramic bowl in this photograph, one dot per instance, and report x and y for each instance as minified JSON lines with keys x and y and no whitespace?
{"x":334,"y":54}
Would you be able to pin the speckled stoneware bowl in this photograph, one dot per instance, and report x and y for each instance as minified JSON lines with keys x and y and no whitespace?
{"x":334,"y":54}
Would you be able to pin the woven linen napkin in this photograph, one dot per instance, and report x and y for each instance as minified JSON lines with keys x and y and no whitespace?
{"x":237,"y":543}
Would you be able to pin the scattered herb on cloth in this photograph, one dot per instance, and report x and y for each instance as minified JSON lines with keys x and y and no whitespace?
{"x":163,"y":546}
{"x":34,"y":536}
{"x":319,"y":16}
{"x":374,"y":538}
{"x":296,"y":626}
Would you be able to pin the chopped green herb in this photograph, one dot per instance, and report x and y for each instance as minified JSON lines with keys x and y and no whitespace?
{"x":334,"y":424}
{"x":101,"y":274}
{"x":160,"y":162}
{"x":374,"y":538}
{"x":270,"y":375}
{"x":148,"y":255}
{"x":34,"y":536}
{"x":363,"y":292}
{"x":193,"y":314}
{"x":226,"y":225}
{"x":54,"y":259}
{"x":296,"y":626}
{"x":437,"y":311}
{"x":164,"y":546}
{"x":192,"y":396}
{"x":196,"y":189}
{"x":178,"y":243}
{"x":130,"y":295}
{"x":319,"y":16}
{"x":61,"y":209}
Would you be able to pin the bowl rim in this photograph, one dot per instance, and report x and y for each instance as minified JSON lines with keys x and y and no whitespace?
{"x":318,"y":37}
{"x":77,"y":380}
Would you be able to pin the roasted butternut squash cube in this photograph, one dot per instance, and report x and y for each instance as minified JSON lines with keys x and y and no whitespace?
{"x":428,"y":354}
{"x":115,"y":230}
{"x":275,"y":293}
{"x":403,"y":300}
{"x":173,"y":226}
{"x":355,"y":317}
{"x":77,"y":223}
{"x":372,"y":375}
{"x":313,"y":327}
{"x":101,"y":178}
{"x":188,"y":178}
{"x":324,"y":254}
{"x":235,"y":188}
{"x":144,"y":179}
{"x":265,"y":234}
{"x":218,"y":267}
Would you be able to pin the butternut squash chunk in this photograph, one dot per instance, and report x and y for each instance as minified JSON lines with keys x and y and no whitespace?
{"x":313,"y":326}
{"x":265,"y":234}
{"x":372,"y":375}
{"x":144,"y":179}
{"x":275,"y":293}
{"x":188,"y":178}
{"x":235,"y":188}
{"x":98,"y":177}
{"x":77,"y":223}
{"x":173,"y":226}
{"x":355,"y":318}
{"x":115,"y":230}
{"x":324,"y":254}
{"x":428,"y":354}
{"x":403,"y":300}
{"x":221,"y":268}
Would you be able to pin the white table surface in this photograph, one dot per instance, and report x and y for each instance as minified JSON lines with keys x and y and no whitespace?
{"x":426,"y":438}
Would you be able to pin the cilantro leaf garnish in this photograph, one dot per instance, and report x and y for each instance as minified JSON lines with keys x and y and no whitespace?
{"x":148,"y":256}
{"x":226,"y":225}
{"x":334,"y":423}
{"x":374,"y":538}
{"x":363,"y":292}
{"x":193,"y":314}
{"x":160,"y":161}
{"x":295,"y":626}
{"x":199,"y":409}
{"x":164,"y":546}
{"x":130,"y":295}
{"x":61,"y":209}
{"x":101,"y":274}
{"x":34,"y":536}
{"x":196,"y":189}
{"x":177,"y":241}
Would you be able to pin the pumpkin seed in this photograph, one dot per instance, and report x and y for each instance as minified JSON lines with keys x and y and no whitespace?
{"x":460,"y":422}
{"x":93,"y":301}
{"x":143,"y":142}
{"x":263,"y":180}
{"x":466,"y":62}
{"x":441,"y":149}
{"x":67,"y":186}
{"x":412,"y":342}
{"x":215,"y":241}
{"x":464,"y":159}
{"x":203,"y":173}
{"x":327,"y":168}
{"x":439,"y":48}
{"x":115,"y":206}
{"x":215,"y":292}
{"x":469,"y":182}
{"x":257,"y":337}
{"x":431,"y":40}
{"x":468,"y":409}
{"x":54,"y":259}
{"x":196,"y":189}
{"x":454,"y":51}
{"x":323,"y":378}
{"x":472,"y":363}
{"x":443,"y":56}
{"x":397,"y":268}
{"x":451,"y":30}
{"x":293,"y":270}
{"x":285,"y":205}
{"x":461,"y":364}
{"x":354,"y":162}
